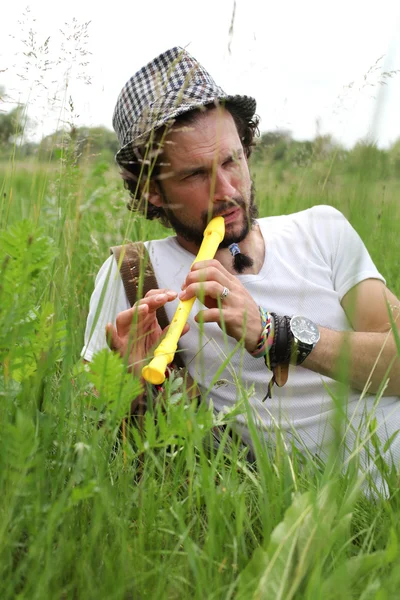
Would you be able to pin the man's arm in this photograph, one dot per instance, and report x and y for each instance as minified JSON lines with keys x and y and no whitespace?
{"x":366,"y":306}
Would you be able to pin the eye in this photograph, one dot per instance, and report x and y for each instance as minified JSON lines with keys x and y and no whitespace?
{"x":198,"y":173}
{"x":233,"y":160}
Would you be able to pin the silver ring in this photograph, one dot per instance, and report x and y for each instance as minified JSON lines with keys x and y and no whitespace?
{"x":225,"y":293}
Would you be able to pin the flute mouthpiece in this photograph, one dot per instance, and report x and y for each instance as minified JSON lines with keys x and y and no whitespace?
{"x":216,"y":225}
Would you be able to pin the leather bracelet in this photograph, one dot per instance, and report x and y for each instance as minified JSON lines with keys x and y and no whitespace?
{"x":281,"y":344}
{"x":290,"y":341}
{"x":281,"y":350}
{"x":270,"y":357}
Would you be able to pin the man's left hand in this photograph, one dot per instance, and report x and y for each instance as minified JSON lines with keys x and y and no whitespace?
{"x":236,"y":312}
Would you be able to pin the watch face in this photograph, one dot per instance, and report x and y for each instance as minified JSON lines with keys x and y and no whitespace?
{"x":304,"y":330}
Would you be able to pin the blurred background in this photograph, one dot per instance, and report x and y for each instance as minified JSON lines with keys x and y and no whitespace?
{"x":315,"y":68}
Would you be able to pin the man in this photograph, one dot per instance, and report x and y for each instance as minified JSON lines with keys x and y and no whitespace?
{"x":184,"y":153}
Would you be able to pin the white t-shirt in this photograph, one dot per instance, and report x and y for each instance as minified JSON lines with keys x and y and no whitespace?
{"x":312,"y":259}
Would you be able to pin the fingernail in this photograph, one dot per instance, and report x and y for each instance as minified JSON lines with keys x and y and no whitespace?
{"x":160,"y":297}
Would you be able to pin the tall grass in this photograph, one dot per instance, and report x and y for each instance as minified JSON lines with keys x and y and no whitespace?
{"x":93,"y":511}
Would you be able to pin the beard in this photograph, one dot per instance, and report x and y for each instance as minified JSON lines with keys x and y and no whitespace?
{"x":195,"y":235}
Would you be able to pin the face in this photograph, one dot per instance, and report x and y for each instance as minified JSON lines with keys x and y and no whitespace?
{"x":205,"y":174}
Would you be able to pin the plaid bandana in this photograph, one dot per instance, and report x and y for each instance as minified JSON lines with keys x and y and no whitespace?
{"x":171,"y":84}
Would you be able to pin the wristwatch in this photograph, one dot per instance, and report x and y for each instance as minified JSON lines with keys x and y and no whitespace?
{"x":306,"y":335}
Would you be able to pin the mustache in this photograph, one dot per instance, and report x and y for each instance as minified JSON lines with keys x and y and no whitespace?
{"x":222,"y":208}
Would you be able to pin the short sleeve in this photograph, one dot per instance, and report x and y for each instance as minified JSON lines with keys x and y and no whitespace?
{"x":343,"y":249}
{"x":107,"y":301}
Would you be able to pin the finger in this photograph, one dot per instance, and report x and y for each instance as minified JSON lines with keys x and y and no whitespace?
{"x":126,"y":317}
{"x":113,"y":340}
{"x":185,"y":329}
{"x":202,"y":290}
{"x":156,"y":300}
{"x":213,"y":315}
{"x":203,"y":264}
{"x":207,"y":274}
{"x":160,"y":291}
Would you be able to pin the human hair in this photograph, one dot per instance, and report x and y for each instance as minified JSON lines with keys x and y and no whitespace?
{"x":137,"y":173}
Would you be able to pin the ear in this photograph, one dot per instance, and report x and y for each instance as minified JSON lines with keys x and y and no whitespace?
{"x":155,"y":196}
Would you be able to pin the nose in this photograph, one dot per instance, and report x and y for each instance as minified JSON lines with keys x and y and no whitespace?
{"x":223,"y":188}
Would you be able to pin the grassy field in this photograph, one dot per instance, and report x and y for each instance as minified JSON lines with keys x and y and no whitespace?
{"x":90,"y":512}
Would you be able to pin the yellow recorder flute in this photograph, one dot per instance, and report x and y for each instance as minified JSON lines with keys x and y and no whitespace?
{"x":154,"y":372}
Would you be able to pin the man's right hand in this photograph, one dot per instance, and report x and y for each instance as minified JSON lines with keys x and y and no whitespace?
{"x":137,"y":329}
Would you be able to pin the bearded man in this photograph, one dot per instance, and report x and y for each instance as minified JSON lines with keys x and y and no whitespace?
{"x":295,"y":289}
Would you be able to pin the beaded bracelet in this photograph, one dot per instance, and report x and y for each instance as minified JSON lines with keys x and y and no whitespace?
{"x":267,"y":335}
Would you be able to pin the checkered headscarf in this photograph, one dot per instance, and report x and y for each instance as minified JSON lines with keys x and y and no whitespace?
{"x":171,"y":84}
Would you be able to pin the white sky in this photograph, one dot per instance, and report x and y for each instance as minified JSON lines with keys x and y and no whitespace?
{"x":296,"y":58}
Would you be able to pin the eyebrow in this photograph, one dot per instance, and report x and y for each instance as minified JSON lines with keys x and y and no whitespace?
{"x":190,"y":170}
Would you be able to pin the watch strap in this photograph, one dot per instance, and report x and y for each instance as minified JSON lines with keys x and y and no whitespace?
{"x":302,"y":350}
